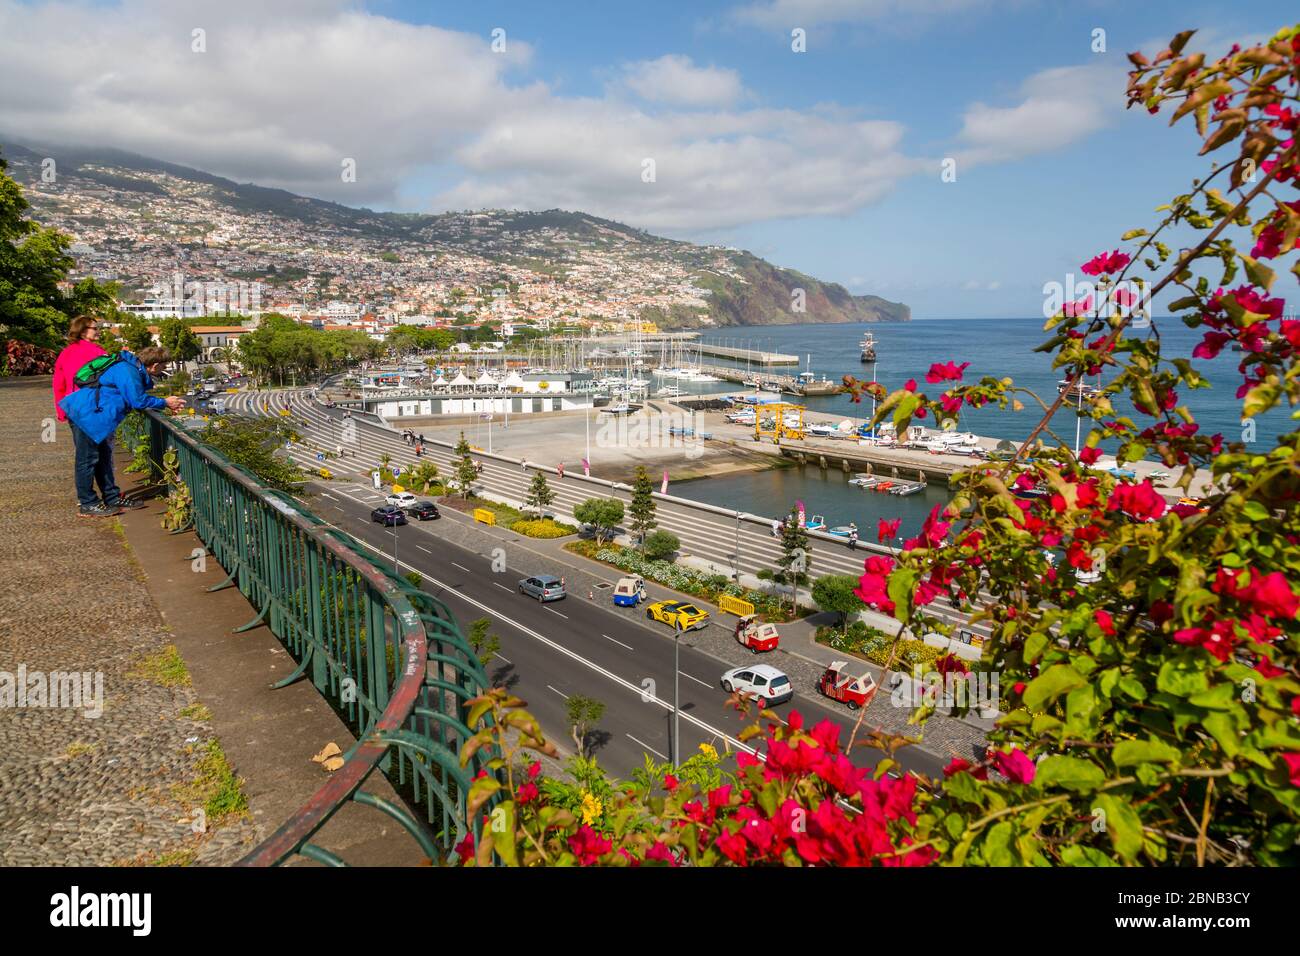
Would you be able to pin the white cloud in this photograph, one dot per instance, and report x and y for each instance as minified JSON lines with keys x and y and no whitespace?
{"x":674,"y":79}
{"x":786,"y":14}
{"x":288,"y":90}
{"x":1057,"y":107}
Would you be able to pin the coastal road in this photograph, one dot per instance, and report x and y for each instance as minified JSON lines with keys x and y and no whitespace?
{"x":704,"y":533}
{"x":554,"y":651}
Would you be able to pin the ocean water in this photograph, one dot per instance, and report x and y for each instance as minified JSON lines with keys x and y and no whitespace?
{"x":996,"y":347}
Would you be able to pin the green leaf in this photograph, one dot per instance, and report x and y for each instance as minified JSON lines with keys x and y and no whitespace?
{"x":1223,"y":729}
{"x":1123,"y":825}
{"x":1255,"y":511}
{"x":1182,"y":677}
{"x":1130,"y":753}
{"x":1219,"y":697}
{"x":997,"y":845}
{"x":1035,"y":644}
{"x":1070,"y":773}
{"x":902,"y":586}
{"x":503,"y":832}
{"x":1258,"y":273}
{"x":1051,"y":684}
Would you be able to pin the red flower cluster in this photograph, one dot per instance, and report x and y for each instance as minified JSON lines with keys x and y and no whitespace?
{"x":1105,"y":263}
{"x":831,"y":834}
{"x":888,"y":529}
{"x":1269,"y":594}
{"x":1140,"y":502}
{"x":873,"y":586}
{"x":948,"y":372}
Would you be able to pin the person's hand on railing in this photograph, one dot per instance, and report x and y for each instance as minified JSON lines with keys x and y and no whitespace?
{"x":174,"y":403}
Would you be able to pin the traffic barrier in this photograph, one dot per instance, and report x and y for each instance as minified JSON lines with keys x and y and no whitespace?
{"x":485,"y":515}
{"x":735,"y":605}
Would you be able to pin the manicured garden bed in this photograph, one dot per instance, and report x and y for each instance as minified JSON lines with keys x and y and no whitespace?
{"x":701,"y":584}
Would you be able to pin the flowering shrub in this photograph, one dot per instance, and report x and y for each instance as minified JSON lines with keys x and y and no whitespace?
{"x":542,"y":528}
{"x":1149,"y":674}
{"x":805,"y":805}
{"x":24,"y":358}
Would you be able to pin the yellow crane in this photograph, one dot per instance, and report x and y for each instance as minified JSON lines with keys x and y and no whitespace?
{"x":779,"y":427}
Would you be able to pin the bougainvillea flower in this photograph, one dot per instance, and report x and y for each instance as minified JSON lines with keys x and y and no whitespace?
{"x":1089,"y":456}
{"x":873,"y":586}
{"x":910,"y":385}
{"x":948,"y":372}
{"x":1141,"y":502}
{"x":465,"y":848}
{"x":1292,"y":761}
{"x":1272,"y":596}
{"x":670,"y":782}
{"x":888,"y":529}
{"x":1211,"y":345}
{"x":1105,"y":263}
{"x":1104,"y":621}
{"x":588,"y":845}
{"x":1015,"y":765}
{"x":958,"y":765}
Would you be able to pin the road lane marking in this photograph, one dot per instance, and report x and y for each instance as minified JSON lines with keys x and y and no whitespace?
{"x":620,"y":643}
{"x":560,"y":692}
{"x":326,"y":494}
{"x":427,"y":551}
{"x":504,"y":658}
{"x":502,"y":586}
{"x":461,"y":566}
{"x":696,"y":679}
{"x":554,"y":611}
{"x":647,"y":747}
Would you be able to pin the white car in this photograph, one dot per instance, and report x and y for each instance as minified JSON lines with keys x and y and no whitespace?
{"x":759,"y":680}
{"x":403,"y":499}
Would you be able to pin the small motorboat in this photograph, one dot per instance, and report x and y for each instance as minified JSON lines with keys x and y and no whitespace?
{"x":815,"y":523}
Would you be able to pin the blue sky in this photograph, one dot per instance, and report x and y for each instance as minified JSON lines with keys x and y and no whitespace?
{"x":826,"y":161}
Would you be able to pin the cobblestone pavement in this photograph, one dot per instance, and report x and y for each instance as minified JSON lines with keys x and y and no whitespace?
{"x":78,"y":789}
{"x":797,"y":657}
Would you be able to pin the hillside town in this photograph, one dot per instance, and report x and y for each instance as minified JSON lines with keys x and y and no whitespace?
{"x":180,"y":248}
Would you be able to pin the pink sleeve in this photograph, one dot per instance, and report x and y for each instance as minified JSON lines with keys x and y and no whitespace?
{"x":61,"y":384}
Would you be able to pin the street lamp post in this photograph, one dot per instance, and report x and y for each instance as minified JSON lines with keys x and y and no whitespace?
{"x":736,"y":563}
{"x":677,"y":680}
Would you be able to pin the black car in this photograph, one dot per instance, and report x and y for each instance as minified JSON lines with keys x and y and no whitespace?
{"x":388,"y":515}
{"x":425,"y":510}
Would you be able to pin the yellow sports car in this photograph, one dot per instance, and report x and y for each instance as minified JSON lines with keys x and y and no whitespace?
{"x":679,"y":616}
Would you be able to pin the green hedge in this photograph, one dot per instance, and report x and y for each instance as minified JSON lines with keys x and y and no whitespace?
{"x":875,"y":645}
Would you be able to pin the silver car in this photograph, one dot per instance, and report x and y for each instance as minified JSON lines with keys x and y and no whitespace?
{"x":544,"y":587}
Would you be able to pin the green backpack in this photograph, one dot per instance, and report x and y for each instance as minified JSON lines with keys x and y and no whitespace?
{"x":89,"y":374}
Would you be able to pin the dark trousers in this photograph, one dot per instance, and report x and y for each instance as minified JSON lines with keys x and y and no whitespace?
{"x":94,"y":466}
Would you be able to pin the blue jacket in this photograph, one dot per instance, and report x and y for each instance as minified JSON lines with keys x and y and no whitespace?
{"x":98,"y":410}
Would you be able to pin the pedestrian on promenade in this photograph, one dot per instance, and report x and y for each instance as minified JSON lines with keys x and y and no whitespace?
{"x":96,"y":409}
{"x":853,"y":539}
{"x":81,"y":348}
{"x":559,"y":470}
{"x":776,"y":528}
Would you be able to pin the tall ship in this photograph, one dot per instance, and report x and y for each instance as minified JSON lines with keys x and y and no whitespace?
{"x":868,"y":346}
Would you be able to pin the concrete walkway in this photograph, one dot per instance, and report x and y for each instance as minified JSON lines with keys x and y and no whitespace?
{"x":108,"y":597}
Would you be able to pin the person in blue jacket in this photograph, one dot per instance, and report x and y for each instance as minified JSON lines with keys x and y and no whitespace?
{"x":96,"y":410}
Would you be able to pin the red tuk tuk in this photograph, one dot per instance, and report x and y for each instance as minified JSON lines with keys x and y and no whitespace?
{"x":845,"y":688}
{"x":755,"y":635}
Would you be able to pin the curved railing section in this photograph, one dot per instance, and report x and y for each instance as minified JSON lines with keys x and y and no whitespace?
{"x":388,"y":656}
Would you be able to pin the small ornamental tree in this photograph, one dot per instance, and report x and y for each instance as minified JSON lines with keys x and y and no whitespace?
{"x":423,"y":476}
{"x":583,"y":715}
{"x":466,"y":469}
{"x":838,"y":593}
{"x":603,"y":514}
{"x":795,"y":559}
{"x":661,"y":545}
{"x":484,"y":644}
{"x":540,"y":496}
{"x":641,"y":509}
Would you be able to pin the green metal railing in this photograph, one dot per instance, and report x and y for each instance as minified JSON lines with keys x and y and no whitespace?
{"x":388,"y":656}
